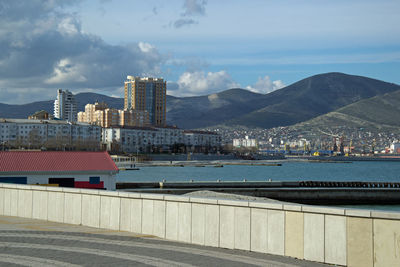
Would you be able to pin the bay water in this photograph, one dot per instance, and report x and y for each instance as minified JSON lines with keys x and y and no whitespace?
{"x":367,"y":171}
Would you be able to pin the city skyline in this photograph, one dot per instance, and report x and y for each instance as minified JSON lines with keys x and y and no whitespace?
{"x":199,"y":47}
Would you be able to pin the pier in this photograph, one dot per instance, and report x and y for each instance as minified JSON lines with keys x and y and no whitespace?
{"x":308,"y":192}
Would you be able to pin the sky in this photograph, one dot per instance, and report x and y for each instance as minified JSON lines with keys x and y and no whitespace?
{"x":198,"y":46}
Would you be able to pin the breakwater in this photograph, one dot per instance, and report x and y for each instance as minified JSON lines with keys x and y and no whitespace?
{"x":309,"y":192}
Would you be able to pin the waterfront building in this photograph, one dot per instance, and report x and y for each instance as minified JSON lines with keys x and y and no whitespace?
{"x":201,"y":138}
{"x":59,"y":168}
{"x":245,"y":142}
{"x":133,"y":117}
{"x":147,"y":94}
{"x":65,"y":106}
{"x":150,"y":139}
{"x":51,"y":134}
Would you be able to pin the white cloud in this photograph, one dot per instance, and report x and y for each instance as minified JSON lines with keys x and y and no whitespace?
{"x":68,"y":26}
{"x":264,"y":85}
{"x":43,"y":46}
{"x":66,"y":72}
{"x":199,"y":82}
{"x":146,"y":47}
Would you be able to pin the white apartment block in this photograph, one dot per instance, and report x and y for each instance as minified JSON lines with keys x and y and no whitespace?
{"x":33,"y":132}
{"x":245,"y":142}
{"x":139,"y":139}
{"x":65,"y":106}
{"x":201,"y":138}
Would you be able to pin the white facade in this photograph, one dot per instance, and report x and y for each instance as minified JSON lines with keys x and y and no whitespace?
{"x":199,"y":138}
{"x":65,"y":106}
{"x":109,"y":179}
{"x":245,"y":142}
{"x":138,"y":139}
{"x":41,"y":131}
{"x":395,"y":148}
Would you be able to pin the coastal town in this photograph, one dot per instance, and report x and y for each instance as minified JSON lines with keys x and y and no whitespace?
{"x":138,"y":128}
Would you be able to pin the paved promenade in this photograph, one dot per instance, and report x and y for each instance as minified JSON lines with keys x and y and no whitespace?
{"x":28,"y":242}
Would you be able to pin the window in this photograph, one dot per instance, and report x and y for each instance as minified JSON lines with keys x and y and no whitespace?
{"x":94,"y":180}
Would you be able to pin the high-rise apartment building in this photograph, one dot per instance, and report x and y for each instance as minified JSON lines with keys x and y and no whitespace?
{"x":147,"y":94}
{"x":65,"y":106}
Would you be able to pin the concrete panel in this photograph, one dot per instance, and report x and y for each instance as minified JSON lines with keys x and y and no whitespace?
{"x":395,"y":215}
{"x":94,"y":211}
{"x":242,"y":228}
{"x":51,"y":206}
{"x":28,"y":198}
{"x":14,"y":202}
{"x":55,"y":210}
{"x":259,"y":225}
{"x":136,"y":215}
{"x":126,"y":210}
{"x":203,"y":200}
{"x":292,"y":207}
{"x":314,"y":237}
{"x":276,"y":232}
{"x":323,"y":210}
{"x":335,"y":239}
{"x":294,"y":234}
{"x":105,"y":208}
{"x":1,"y":201}
{"x":266,"y":205}
{"x":7,"y":202}
{"x":235,"y":203}
{"x":172,"y":220}
{"x":358,"y":213}
{"x":386,"y":242}
{"x":227,"y":227}
{"x":147,"y":217}
{"x":359,"y":242}
{"x":73,"y":208}
{"x":115,"y":209}
{"x":25,"y":203}
{"x":21,"y":203}
{"x":86,"y":209}
{"x":39,"y":205}
{"x":198,"y":223}
{"x":159,"y":218}
{"x":185,"y":222}
{"x":211,"y":235}
{"x":176,"y":198}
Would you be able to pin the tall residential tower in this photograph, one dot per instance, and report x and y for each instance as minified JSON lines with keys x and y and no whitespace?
{"x":65,"y":106}
{"x":147,"y":94}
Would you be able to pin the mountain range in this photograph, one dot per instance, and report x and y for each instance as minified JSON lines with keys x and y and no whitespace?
{"x":323,"y":98}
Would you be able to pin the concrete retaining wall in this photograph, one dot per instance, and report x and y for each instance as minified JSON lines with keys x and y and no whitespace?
{"x":331,"y":235}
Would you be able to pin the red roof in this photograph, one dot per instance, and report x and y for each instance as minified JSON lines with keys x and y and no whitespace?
{"x":55,"y":161}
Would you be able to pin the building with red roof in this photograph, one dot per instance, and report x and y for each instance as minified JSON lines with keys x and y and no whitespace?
{"x":60,"y":168}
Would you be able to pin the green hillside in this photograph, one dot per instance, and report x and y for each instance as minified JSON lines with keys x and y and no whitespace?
{"x":376,"y":113}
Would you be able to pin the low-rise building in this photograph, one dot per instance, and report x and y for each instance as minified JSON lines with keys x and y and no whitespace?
{"x":51,"y":134}
{"x":131,"y":139}
{"x":59,"y":168}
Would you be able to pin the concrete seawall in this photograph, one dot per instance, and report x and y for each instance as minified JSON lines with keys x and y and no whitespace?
{"x":331,"y":235}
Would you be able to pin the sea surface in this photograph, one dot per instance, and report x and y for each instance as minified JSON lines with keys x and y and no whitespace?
{"x":374,"y":171}
{"x":377,"y":171}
